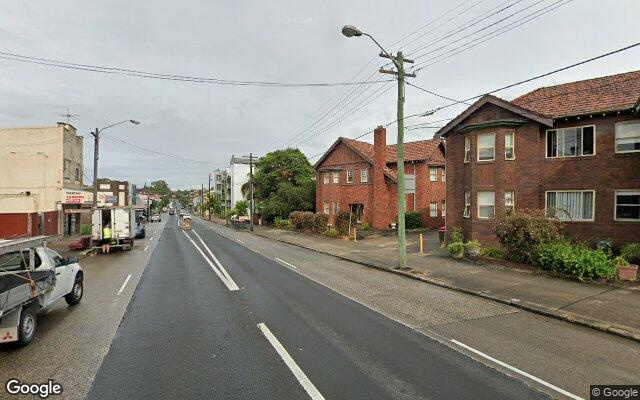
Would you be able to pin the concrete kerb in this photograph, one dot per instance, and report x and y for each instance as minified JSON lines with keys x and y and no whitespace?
{"x":526,"y":306}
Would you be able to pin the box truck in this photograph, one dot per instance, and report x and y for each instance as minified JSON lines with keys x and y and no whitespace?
{"x":121,"y":220}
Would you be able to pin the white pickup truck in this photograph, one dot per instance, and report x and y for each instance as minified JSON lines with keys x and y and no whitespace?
{"x":33,"y":277}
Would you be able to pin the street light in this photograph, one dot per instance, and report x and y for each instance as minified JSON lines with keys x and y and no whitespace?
{"x":96,"y":140}
{"x":398,"y":61}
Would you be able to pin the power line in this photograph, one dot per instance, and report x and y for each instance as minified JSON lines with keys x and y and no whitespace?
{"x":171,"y":77}
{"x":157,"y":153}
{"x":434,"y":93}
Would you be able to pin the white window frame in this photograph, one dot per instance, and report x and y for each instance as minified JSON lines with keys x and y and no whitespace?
{"x":467,"y":149}
{"x":478,"y":146}
{"x":364,"y":175}
{"x":433,"y":174}
{"x":513,"y":200}
{"x":336,"y":207}
{"x":485,"y":205}
{"x":325,"y":178}
{"x":466,"y":212}
{"x":513,"y":145}
{"x":546,"y":136}
{"x":593,"y":204}
{"x":615,"y":204}
{"x":350,"y":175}
{"x":615,"y":136}
{"x":444,"y":208}
{"x":335,"y":177}
{"x":433,"y":211}
{"x":444,"y":174}
{"x":325,"y":208}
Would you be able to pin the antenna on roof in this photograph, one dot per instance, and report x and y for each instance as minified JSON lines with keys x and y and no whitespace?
{"x":68,"y":115}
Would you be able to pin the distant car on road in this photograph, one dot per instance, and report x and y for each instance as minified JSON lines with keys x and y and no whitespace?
{"x":171,"y":211}
{"x":140,"y":231}
{"x":156,"y":218}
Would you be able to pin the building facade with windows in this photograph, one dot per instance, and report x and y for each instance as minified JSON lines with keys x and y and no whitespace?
{"x":572,"y":150}
{"x":359,"y":177}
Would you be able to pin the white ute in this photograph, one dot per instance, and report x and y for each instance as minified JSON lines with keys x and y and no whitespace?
{"x":33,"y":277}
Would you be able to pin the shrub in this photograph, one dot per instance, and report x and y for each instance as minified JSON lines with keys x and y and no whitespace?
{"x":341,"y":222}
{"x":455,"y":247}
{"x":329,"y":231}
{"x":319,"y":222}
{"x":492,"y":252}
{"x":281,"y":223}
{"x":472,"y":243}
{"x":301,"y":219}
{"x":523,"y":233}
{"x":620,"y":262}
{"x":241,"y":207}
{"x":631,"y":252}
{"x":366,"y":227}
{"x":578,"y":260}
{"x":456,"y":235}
{"x":413,"y":220}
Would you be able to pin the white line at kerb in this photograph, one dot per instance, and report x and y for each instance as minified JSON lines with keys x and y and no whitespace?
{"x":286,"y":264}
{"x":293,"y":366}
{"x":514,"y":369}
{"x":124,"y":284}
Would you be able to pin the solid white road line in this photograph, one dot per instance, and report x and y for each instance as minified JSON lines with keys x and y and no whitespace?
{"x":230,"y":284}
{"x":293,"y":366}
{"x":215,"y":259}
{"x":514,"y":369}
{"x":146,"y":248}
{"x":286,"y":264}
{"x":124,"y":284}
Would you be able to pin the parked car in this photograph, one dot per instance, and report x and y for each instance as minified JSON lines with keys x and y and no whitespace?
{"x":156,"y":218}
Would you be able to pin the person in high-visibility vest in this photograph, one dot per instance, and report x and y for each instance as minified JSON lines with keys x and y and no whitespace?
{"x":106,"y":238}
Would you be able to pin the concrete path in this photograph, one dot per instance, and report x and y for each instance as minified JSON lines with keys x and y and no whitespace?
{"x":610,"y":308}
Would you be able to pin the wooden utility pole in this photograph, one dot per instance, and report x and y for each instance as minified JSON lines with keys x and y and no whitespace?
{"x":96,"y":141}
{"x":209,"y":197}
{"x":399,"y":61}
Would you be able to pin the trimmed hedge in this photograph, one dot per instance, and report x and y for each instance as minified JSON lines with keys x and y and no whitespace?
{"x":413,"y":220}
{"x":578,"y":260}
{"x":342,"y":222}
{"x":308,"y":221}
{"x":522,"y":234}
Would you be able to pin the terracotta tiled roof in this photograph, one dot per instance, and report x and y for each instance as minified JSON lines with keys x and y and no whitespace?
{"x":607,"y":93}
{"x":413,"y":151}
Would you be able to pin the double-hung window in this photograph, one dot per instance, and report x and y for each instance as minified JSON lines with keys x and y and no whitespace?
{"x":486,"y":146}
{"x":336,"y":208}
{"x":364,"y":175}
{"x":325,"y":208}
{"x":509,"y":153}
{"x":350,"y":176}
{"x":571,"y":205}
{"x":336,"y":177}
{"x":628,"y":205}
{"x":628,"y":137}
{"x":509,"y":196}
{"x":444,"y":175}
{"x":444,"y":208}
{"x":433,"y":210}
{"x":486,"y":205}
{"x":325,"y":178}
{"x":467,"y":149}
{"x":433,"y":174}
{"x":571,"y":142}
{"x":467,"y":205}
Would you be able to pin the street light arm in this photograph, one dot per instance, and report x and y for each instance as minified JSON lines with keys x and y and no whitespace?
{"x":382,"y":48}
{"x":119,"y":123}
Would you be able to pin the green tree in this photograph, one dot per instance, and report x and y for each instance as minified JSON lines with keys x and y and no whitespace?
{"x":284,"y":183}
{"x":241,"y":207}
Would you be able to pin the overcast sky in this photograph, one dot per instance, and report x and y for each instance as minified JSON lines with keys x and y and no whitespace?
{"x":277,"y":40}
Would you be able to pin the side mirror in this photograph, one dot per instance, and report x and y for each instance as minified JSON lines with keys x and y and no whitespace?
{"x":72,"y":260}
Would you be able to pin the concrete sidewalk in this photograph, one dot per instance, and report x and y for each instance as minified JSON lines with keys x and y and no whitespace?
{"x":609,"y":308}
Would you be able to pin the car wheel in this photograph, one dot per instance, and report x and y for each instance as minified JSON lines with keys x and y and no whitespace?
{"x":74,"y":297}
{"x":28,"y":325}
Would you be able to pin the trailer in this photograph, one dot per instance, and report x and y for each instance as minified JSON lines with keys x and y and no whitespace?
{"x":32,"y":277}
{"x":121,"y":220}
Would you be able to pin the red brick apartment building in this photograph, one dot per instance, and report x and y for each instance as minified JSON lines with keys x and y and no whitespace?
{"x":357,"y":176}
{"x":571,"y":149}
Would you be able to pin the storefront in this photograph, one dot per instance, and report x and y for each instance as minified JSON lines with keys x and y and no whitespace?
{"x":76,"y":210}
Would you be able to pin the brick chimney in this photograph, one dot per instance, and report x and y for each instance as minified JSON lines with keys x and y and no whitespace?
{"x":380,"y":190}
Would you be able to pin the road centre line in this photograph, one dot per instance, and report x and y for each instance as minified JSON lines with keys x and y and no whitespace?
{"x":229,"y":283}
{"x":124,"y":284}
{"x":215,"y":259}
{"x":286,"y":264}
{"x":291,"y":364}
{"x":514,"y":369}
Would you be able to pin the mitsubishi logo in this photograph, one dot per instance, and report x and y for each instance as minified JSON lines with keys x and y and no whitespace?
{"x":7,"y":336}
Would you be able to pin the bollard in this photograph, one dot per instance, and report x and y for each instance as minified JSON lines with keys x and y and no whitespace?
{"x":421,"y":246}
{"x":355,"y":236}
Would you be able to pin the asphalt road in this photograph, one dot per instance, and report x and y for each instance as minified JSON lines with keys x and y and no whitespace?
{"x":188,"y":334}
{"x":71,"y":342}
